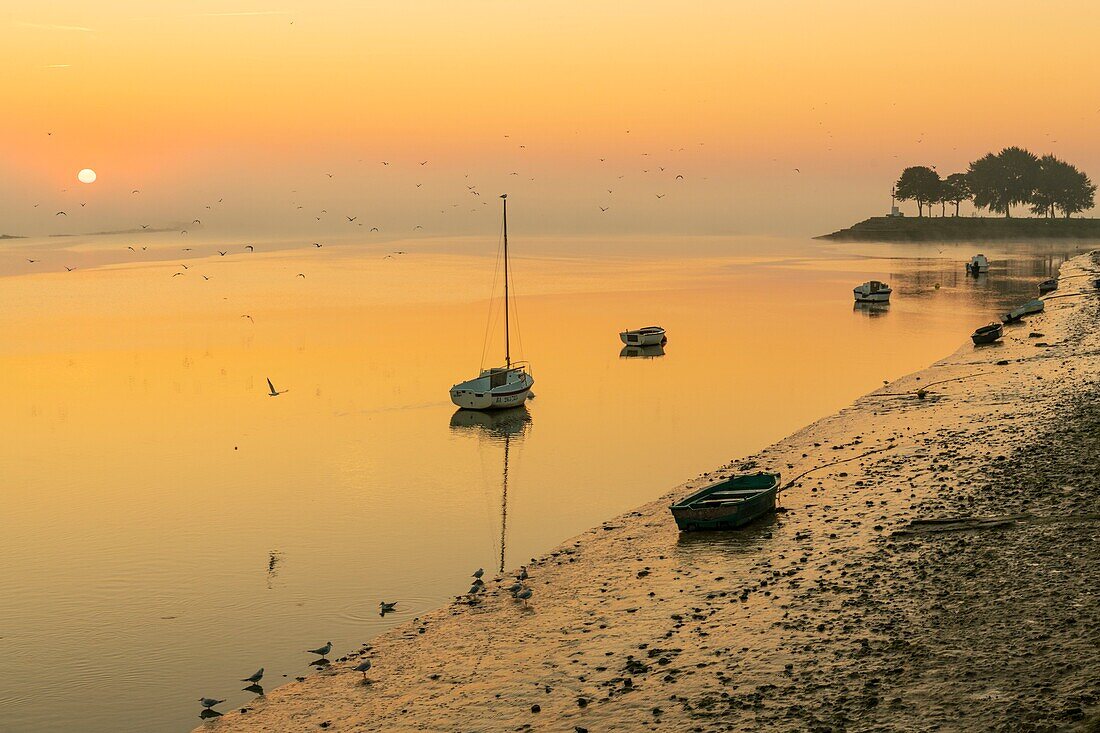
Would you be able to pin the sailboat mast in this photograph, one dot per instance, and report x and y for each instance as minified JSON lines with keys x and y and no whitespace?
{"x":507,"y":336}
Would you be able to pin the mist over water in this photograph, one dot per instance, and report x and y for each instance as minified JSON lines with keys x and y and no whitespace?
{"x":169,"y":527}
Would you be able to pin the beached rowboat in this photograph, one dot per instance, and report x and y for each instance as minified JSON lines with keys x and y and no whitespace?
{"x":729,"y":503}
{"x":648,"y":336}
{"x":988,"y":334}
{"x":872,"y":291}
{"x":1048,"y":286}
{"x":1027,"y":309}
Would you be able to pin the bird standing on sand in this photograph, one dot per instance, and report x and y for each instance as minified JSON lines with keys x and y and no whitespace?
{"x":255,"y":677}
{"x":274,"y":392}
{"x":209,"y":702}
{"x":363,"y":667}
{"x":523,"y":573}
{"x":479,"y":572}
{"x":322,"y":651}
{"x":524,"y":595}
{"x":515,"y":588}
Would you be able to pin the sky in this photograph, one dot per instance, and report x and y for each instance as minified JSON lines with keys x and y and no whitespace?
{"x":785,"y":117}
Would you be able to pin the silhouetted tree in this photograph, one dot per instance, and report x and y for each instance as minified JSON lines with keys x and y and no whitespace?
{"x":921,"y":184}
{"x":999,"y":182}
{"x":1061,"y":185}
{"x":956,"y":189}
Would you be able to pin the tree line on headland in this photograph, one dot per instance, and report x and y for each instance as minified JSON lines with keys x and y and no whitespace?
{"x":998,"y":182}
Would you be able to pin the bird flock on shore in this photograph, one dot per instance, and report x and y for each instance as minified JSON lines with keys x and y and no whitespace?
{"x":519,"y":590}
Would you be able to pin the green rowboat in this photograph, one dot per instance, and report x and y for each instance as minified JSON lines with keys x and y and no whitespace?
{"x":729,"y":503}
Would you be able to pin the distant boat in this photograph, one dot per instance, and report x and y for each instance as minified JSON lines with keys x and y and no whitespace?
{"x":977,"y":265}
{"x":872,"y":291}
{"x":1027,"y":309}
{"x":1048,"y":286}
{"x":729,"y":503}
{"x":642,"y":352}
{"x":648,"y":336}
{"x":504,"y":386}
{"x":988,"y":334}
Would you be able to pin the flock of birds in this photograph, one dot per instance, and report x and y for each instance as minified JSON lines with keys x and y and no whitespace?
{"x":519,"y":591}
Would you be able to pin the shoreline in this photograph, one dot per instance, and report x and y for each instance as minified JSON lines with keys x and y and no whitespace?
{"x":840,"y":611}
{"x":965,"y":229}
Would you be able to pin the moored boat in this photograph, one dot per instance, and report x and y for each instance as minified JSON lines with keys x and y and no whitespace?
{"x":978,"y":264}
{"x":1029,"y":308}
{"x":872,"y":291}
{"x":504,"y":386}
{"x":988,"y":334}
{"x":727,"y":504}
{"x":1048,"y":286}
{"x":648,"y":336}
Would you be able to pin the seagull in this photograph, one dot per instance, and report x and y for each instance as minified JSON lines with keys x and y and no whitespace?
{"x":515,"y":588}
{"x":523,"y":573}
{"x":250,"y":248}
{"x":131,"y":249}
{"x":351,"y":218}
{"x":69,"y":269}
{"x":476,"y":588}
{"x":478,"y":573}
{"x":363,"y":667}
{"x":524,"y":595}
{"x":301,"y":274}
{"x":387,"y":607}
{"x":61,"y":213}
{"x":209,"y":702}
{"x":322,"y":651}
{"x":275,"y":393}
{"x":604,"y":208}
{"x":256,"y":676}
{"x":221,"y":253}
{"x":318,"y":245}
{"x":248,"y":317}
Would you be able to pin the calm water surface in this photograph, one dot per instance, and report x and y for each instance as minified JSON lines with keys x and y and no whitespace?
{"x":168,"y":528}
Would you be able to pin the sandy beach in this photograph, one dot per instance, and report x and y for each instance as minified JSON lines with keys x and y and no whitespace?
{"x":847,"y":610}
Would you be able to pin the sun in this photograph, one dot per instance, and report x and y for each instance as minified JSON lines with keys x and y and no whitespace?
{"x":87,"y":175}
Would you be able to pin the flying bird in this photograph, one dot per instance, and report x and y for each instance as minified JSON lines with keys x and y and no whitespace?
{"x":30,"y":260}
{"x":322,"y":651}
{"x":177,"y":274}
{"x":423,"y":162}
{"x":144,"y":226}
{"x":275,"y":393}
{"x":329,"y":175}
{"x":351,"y":218}
{"x":318,"y":245}
{"x":131,"y":249}
{"x":250,"y":248}
{"x":374,"y":229}
{"x":135,"y":191}
{"x":660,"y":195}
{"x":69,"y":269}
{"x":301,"y":274}
{"x":604,"y":208}
{"x":205,"y":277}
{"x":61,"y":213}
{"x":679,"y":178}
{"x":196,"y":221}
{"x":248,"y":317}
{"x":222,"y":254}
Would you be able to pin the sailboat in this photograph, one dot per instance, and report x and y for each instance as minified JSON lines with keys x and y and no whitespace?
{"x":504,"y":386}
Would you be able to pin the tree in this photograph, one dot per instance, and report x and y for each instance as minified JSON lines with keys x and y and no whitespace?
{"x":921,"y":184}
{"x":956,"y":189}
{"x":1061,"y":185}
{"x":1001,"y":181}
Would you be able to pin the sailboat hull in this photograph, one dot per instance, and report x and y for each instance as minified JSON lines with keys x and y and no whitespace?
{"x":479,"y":394}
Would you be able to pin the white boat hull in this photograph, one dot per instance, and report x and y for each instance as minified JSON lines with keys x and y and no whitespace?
{"x":476,"y":394}
{"x":879,"y":297}
{"x":642,"y":338}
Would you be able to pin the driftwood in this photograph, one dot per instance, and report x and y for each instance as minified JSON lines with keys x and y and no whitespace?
{"x":959,"y":524}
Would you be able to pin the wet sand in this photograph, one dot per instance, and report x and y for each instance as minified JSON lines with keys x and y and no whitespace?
{"x":843,"y":611}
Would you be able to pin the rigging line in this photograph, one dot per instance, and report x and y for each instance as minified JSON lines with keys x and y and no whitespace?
{"x":489,"y":321}
{"x":515,"y":310}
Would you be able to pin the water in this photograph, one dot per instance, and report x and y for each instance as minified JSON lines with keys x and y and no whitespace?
{"x":168,"y":527}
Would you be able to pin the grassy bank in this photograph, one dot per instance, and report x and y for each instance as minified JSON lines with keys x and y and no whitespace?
{"x":964,"y":229}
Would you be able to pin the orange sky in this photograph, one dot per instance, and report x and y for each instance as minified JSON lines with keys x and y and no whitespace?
{"x":254,"y":102}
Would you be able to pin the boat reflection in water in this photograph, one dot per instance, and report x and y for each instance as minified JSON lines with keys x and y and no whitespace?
{"x":871,"y":310}
{"x":499,"y":426}
{"x":642,"y":352}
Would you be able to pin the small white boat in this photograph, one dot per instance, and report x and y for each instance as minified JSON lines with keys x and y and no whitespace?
{"x":977,"y":265}
{"x":504,"y":386}
{"x":872,"y":291}
{"x":648,"y":336}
